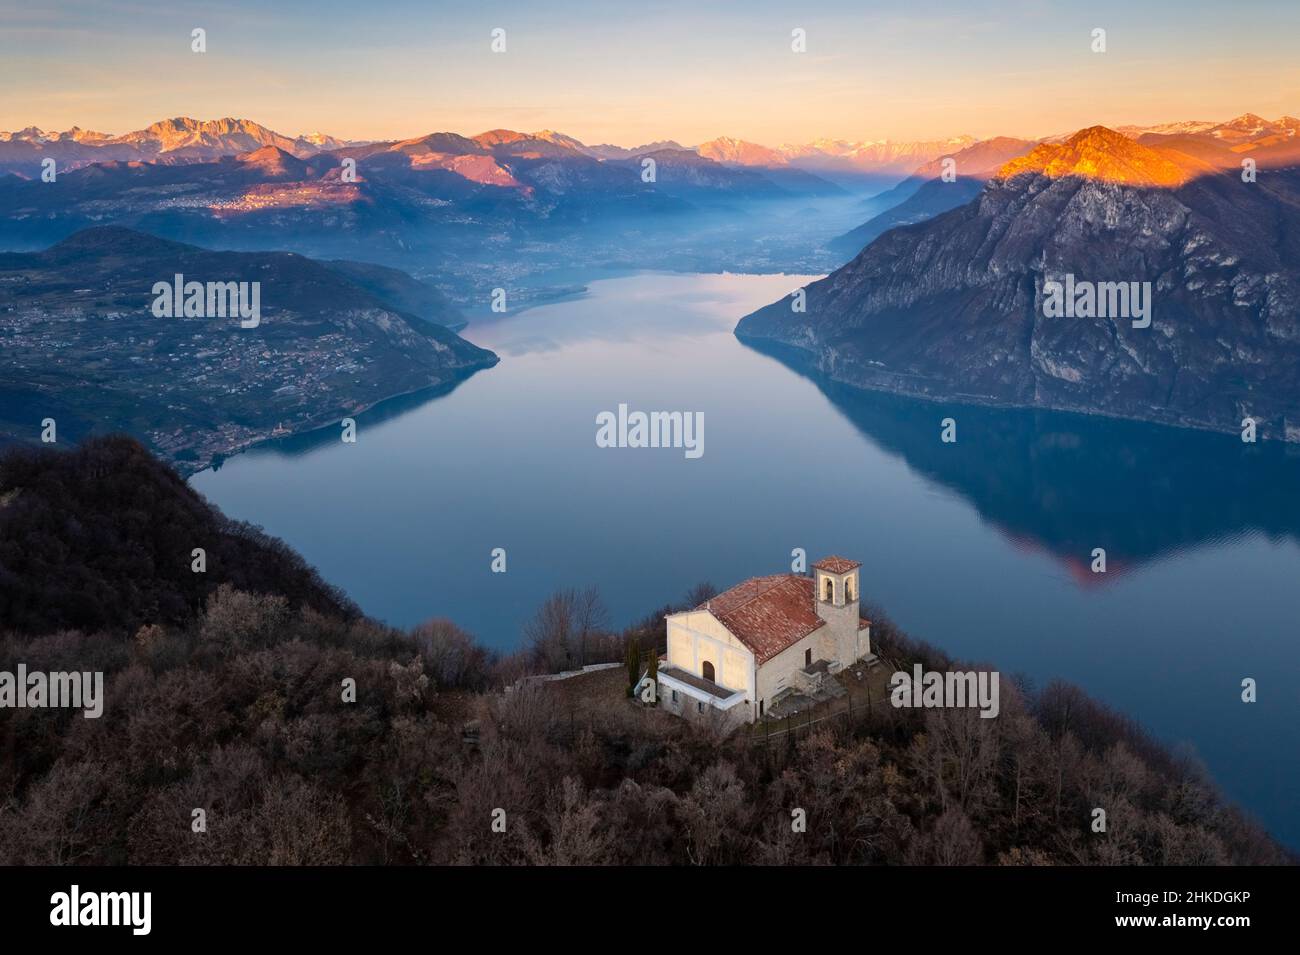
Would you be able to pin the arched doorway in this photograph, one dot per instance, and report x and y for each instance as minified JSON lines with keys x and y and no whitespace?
{"x":707,"y":669}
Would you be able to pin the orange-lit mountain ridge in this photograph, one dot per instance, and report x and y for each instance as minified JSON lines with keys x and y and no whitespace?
{"x":1101,"y":153}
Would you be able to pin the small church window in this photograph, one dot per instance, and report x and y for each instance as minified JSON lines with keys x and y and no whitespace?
{"x":829,"y":588}
{"x":707,"y":668}
{"x":848,"y":588}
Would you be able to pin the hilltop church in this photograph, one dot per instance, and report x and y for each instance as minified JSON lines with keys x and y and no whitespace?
{"x":742,"y":652}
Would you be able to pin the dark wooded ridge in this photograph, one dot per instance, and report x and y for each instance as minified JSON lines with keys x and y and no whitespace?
{"x":224,"y":693}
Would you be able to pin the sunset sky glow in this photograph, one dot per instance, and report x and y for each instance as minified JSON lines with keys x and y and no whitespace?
{"x":633,"y":73}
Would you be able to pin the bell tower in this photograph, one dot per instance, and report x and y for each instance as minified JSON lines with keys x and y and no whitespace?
{"x":836,"y":583}
{"x":836,"y":580}
{"x":843,"y":639}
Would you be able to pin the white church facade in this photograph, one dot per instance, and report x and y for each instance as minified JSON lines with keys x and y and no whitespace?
{"x":738,"y":654}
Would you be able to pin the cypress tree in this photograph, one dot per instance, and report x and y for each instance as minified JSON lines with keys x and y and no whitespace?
{"x":652,"y":669}
{"x":633,"y":661}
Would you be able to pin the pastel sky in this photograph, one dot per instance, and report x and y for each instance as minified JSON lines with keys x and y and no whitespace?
{"x":629,"y":73}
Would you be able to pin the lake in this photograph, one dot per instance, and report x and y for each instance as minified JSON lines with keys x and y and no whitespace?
{"x":982,"y":547}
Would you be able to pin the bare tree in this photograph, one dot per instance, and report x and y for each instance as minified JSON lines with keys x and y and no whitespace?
{"x":451,"y":655}
{"x":590,"y":618}
{"x":550,"y":632}
{"x":574,"y":827}
{"x":952,"y":841}
{"x":701,"y":592}
{"x":564,"y":627}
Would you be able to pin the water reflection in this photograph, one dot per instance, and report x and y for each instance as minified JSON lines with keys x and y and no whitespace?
{"x":1068,"y":483}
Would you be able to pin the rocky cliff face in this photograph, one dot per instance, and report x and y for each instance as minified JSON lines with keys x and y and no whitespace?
{"x":957,"y":307}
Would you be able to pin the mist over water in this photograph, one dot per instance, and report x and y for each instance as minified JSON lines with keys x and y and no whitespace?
{"x":982,"y":548}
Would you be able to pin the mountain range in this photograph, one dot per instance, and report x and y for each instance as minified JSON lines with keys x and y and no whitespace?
{"x":183,"y":139}
{"x":942,"y":297}
{"x":170,"y":140}
{"x":186,"y":139}
{"x":544,"y":176}
{"x":726,"y":167}
{"x":925,"y":194}
{"x":953,"y":308}
{"x":450,"y":206}
{"x":217,"y":173}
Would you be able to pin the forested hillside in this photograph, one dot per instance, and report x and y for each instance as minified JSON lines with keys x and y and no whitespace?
{"x":227,"y":692}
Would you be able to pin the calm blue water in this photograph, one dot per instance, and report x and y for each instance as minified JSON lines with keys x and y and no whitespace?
{"x":981,"y":547}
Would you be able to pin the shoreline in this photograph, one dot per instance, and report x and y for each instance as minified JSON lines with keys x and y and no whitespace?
{"x":188,"y":470}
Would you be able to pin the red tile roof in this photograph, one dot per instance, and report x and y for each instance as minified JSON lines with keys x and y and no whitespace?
{"x":837,"y":565}
{"x":767,"y":614}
